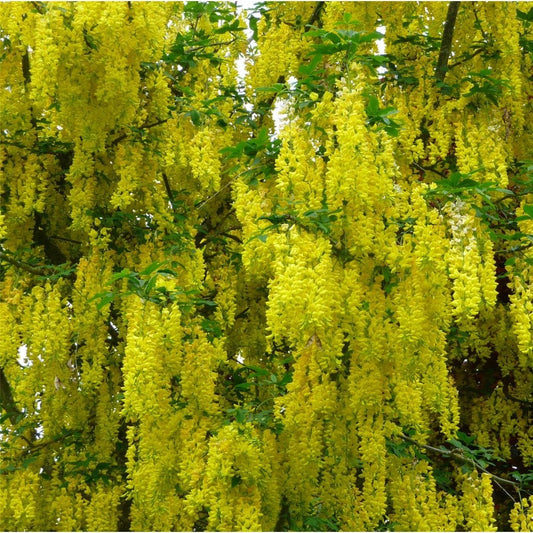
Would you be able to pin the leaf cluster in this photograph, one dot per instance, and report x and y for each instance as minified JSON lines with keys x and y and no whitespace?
{"x":144,"y":285}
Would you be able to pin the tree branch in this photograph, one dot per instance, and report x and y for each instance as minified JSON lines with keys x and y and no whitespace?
{"x":144,"y":127}
{"x":428,"y":169}
{"x":7,"y":403}
{"x":39,"y":7}
{"x":478,"y":22}
{"x":467,"y":58}
{"x":459,"y":457}
{"x":23,"y":266}
{"x":64,"y":239}
{"x":230,"y":236}
{"x":447,"y":38}
{"x":52,"y":252}
{"x":169,"y":191}
{"x":210,"y":45}
{"x":315,"y":17}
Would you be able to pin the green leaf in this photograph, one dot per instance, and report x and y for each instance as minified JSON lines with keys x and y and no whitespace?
{"x":258,"y":371}
{"x":168,"y":271}
{"x":212,"y":328}
{"x":276,"y":88}
{"x":195,"y":116}
{"x":200,"y":301}
{"x":29,"y":460}
{"x":373,"y":106}
{"x":236,"y":480}
{"x":467,"y":439}
{"x":105,"y":298}
{"x":150,"y":284}
{"x":124,"y":273}
{"x":522,"y":15}
{"x":310,"y":67}
{"x":528,"y":210}
{"x":151,"y":268}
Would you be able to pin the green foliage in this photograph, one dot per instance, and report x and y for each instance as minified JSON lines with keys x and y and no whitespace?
{"x":474,"y":455}
{"x":494,"y":205}
{"x":345,"y":41}
{"x":257,"y":154}
{"x":340,"y":45}
{"x":380,"y":117}
{"x":483,"y":85}
{"x":144,"y":285}
{"x":312,"y":220}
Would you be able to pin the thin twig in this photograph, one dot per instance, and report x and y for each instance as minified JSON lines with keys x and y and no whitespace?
{"x":485,"y":36}
{"x":477,"y":52}
{"x":145,"y":127}
{"x":229,"y":236}
{"x":16,"y":145}
{"x":513,"y":250}
{"x":7,"y":402}
{"x":23,"y":266}
{"x":209,"y":45}
{"x":200,"y":205}
{"x":57,"y":237}
{"x":428,"y":169}
{"x":242,"y":314}
{"x":509,"y":196}
{"x":39,"y":7}
{"x":462,"y":458}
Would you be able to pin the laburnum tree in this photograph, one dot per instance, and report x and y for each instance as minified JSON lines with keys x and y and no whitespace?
{"x":267,"y":269}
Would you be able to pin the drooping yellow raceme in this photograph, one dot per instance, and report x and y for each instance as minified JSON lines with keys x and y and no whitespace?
{"x":236,"y":474}
{"x":417,"y":503}
{"x":473,"y":281}
{"x":521,"y":307}
{"x":521,"y":519}
{"x":476,"y":502}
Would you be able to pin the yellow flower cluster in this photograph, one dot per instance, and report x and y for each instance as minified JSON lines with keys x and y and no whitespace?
{"x":233,"y":479}
{"x":521,"y":518}
{"x":303,"y":295}
{"x":417,"y":504}
{"x":521,"y":307}
{"x":299,"y":178}
{"x":101,"y":512}
{"x":494,"y":422}
{"x":506,"y":30}
{"x":128,"y":166}
{"x":146,"y":386}
{"x":205,"y":159}
{"x":359,"y":175}
{"x":89,"y":322}
{"x":249,"y":205}
{"x":476,"y":502}
{"x":22,"y":500}
{"x":46,"y":328}
{"x":279,"y":46}
{"x":470,"y":262}
{"x":67,"y":508}
{"x":306,"y":411}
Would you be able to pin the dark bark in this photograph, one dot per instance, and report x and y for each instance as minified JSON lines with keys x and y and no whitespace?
{"x":51,"y":250}
{"x":7,"y":402}
{"x":315,"y":17}
{"x":447,"y":40}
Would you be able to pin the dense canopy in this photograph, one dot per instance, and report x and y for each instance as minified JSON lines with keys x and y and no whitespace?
{"x":267,"y":269}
